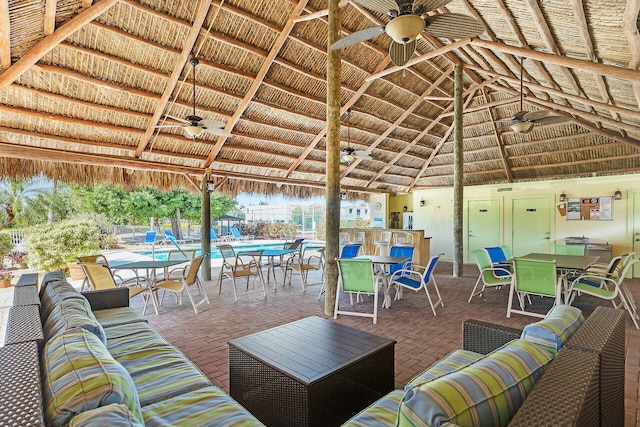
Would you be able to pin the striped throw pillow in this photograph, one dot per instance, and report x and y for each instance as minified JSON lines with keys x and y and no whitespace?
{"x":455,"y":361}
{"x":485,"y":394}
{"x":555,"y":329}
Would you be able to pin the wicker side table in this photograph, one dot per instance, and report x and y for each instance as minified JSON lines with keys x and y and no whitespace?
{"x":20,"y":394}
{"x":312,"y":372}
{"x":25,"y":295}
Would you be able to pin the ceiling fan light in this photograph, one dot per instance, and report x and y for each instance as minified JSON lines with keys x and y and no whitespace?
{"x":522,"y":127}
{"x":405,"y":28}
{"x":348,"y":158}
{"x":193,"y":130}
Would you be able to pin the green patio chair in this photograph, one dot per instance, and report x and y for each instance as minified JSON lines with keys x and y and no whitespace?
{"x":357,"y":276}
{"x":534,"y":277}
{"x":490,"y":275}
{"x":569,"y":250}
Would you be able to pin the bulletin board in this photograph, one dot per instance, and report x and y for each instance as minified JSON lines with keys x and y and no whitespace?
{"x":590,"y":208}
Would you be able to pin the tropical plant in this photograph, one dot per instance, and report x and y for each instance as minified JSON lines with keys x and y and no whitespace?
{"x":15,"y":195}
{"x":17,"y":257}
{"x":5,"y":246}
{"x":51,"y":246}
{"x":6,"y":275}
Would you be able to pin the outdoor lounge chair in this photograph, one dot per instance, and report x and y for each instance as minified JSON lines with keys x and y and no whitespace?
{"x":236,"y":234}
{"x":356,"y":276}
{"x":178,"y":285}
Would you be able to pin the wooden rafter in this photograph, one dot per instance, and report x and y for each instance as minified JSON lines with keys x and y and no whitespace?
{"x":50,"y":16}
{"x":46,"y":44}
{"x":86,"y":3}
{"x":187,"y":48}
{"x":275,"y":49}
{"x":630,"y":25}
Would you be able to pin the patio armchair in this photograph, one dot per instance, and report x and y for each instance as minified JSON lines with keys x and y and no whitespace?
{"x":101,"y":278}
{"x":610,"y":289}
{"x":499,"y":258}
{"x":534,"y":277}
{"x":415,"y":278}
{"x":357,"y":276}
{"x":490,"y":275}
{"x":236,"y":266}
{"x":302,"y":265}
{"x":186,"y":255}
{"x":101,"y":259}
{"x":178,"y":285}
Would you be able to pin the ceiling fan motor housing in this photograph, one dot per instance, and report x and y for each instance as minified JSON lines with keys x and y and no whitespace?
{"x":405,"y":28}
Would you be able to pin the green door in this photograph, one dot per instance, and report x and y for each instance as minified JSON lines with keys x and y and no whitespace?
{"x":635,"y":227}
{"x":484,"y":225}
{"x":531,"y":227}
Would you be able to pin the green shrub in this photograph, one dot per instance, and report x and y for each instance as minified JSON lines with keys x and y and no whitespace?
{"x":5,"y":246}
{"x":50,"y":246}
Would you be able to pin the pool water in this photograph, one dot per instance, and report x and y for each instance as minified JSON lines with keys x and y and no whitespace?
{"x":161,"y":254}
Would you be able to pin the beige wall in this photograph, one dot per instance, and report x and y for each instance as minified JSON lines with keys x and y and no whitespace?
{"x":435,"y":217}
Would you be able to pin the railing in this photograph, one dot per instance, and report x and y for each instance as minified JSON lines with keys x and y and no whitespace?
{"x":17,"y":238}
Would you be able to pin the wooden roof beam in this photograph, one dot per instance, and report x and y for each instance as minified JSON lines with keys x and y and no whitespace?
{"x":266,"y":65}
{"x":40,"y":49}
{"x":187,"y":48}
{"x":5,"y":35}
{"x":577,"y":162}
{"x":630,"y":26}
{"x":50,"y":16}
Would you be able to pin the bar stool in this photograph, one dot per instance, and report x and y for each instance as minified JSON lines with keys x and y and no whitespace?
{"x":402,"y":238}
{"x":382,"y":240}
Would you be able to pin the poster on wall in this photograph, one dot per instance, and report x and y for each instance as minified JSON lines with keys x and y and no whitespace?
{"x":590,"y":208}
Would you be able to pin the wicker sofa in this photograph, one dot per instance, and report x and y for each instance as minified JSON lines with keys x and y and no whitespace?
{"x":102,"y":364}
{"x":582,"y":385}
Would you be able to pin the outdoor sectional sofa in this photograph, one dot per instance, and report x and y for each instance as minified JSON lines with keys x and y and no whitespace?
{"x":557,"y":372}
{"x":101,"y":364}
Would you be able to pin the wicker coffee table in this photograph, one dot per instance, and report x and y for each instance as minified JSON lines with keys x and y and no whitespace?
{"x":312,"y":372}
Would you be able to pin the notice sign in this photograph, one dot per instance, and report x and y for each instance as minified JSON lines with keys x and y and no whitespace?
{"x":590,"y":208}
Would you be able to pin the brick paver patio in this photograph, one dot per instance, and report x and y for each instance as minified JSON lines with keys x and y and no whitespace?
{"x":421,"y":338}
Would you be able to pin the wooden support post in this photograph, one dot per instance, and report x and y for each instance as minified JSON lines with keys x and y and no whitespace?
{"x":458,"y":176}
{"x":205,"y":239}
{"x":333,"y":160}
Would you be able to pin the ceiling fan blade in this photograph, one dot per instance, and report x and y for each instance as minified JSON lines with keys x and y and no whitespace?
{"x":358,"y":37}
{"x":401,"y":53}
{"x":218,"y":132}
{"x":363,"y":155}
{"x":382,"y":6}
{"x":552,"y":119}
{"x":178,"y":119}
{"x":168,"y":126}
{"x":453,"y":26}
{"x":535,"y":115}
{"x":430,"y":4}
{"x":212,"y":124}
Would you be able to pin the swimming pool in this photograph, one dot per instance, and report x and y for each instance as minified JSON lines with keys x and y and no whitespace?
{"x":161,"y":254}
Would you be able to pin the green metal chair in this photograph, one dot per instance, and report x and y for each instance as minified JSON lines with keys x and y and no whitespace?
{"x":357,"y":276}
{"x":534,"y":277}
{"x":490,"y":275}
{"x":569,"y":250}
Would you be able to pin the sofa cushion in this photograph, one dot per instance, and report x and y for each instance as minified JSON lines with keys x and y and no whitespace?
{"x":72,"y":313}
{"x":132,"y":337}
{"x":119,"y":316}
{"x":55,"y":292}
{"x":381,"y":413}
{"x":53,"y":276}
{"x":555,"y":329}
{"x":486,"y":393}
{"x":79,"y":374}
{"x":208,"y":406}
{"x":114,"y":415}
{"x":161,"y":372}
{"x":455,"y":361}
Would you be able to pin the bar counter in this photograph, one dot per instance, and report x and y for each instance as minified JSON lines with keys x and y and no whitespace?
{"x":421,"y":243}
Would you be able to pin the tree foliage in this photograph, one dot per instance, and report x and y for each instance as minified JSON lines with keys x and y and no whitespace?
{"x":17,"y":196}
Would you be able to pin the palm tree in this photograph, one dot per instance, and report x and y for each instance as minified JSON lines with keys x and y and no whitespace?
{"x":15,"y":195}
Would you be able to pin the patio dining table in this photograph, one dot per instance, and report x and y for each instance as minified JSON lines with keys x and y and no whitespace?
{"x":270,"y":254}
{"x":565,"y":262}
{"x":384,"y":261}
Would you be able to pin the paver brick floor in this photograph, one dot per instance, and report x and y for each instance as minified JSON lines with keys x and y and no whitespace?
{"x":422,"y":339}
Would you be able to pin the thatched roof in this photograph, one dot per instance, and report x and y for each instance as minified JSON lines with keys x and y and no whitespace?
{"x":84,"y":84}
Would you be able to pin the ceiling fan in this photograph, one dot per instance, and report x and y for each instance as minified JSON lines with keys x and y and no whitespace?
{"x":348,"y":155}
{"x":523,"y":121}
{"x":406,"y":23}
{"x":195,"y":125}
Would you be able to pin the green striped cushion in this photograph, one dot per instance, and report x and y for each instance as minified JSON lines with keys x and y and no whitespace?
{"x":555,"y":329}
{"x":382,"y":413}
{"x":161,"y":372}
{"x":79,"y":374}
{"x":52,"y":276}
{"x":111,"y":317}
{"x":207,"y":407}
{"x":72,"y":313}
{"x":455,"y":361}
{"x":55,"y":292}
{"x":133,"y":337}
{"x":486,"y":393}
{"x":114,"y":415}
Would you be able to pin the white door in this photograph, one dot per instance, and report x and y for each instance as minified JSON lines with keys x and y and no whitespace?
{"x":484,"y":225}
{"x":532,"y":225}
{"x":635,"y":228}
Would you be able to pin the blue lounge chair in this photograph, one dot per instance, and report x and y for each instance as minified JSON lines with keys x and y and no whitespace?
{"x":236,"y":234}
{"x":214,"y":237}
{"x":150,"y":238}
